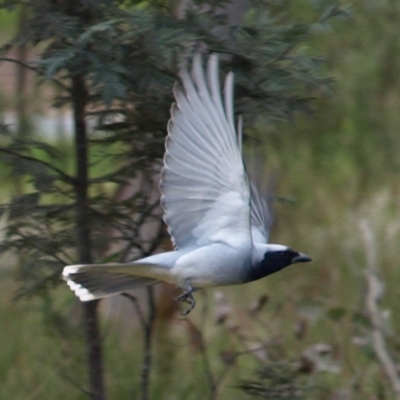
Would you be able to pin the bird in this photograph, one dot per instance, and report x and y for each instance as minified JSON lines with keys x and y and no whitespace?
{"x":217,"y":219}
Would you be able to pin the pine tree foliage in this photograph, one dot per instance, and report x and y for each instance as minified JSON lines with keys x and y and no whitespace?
{"x":128,"y":54}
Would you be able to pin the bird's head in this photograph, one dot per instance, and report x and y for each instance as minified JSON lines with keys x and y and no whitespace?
{"x":274,"y":257}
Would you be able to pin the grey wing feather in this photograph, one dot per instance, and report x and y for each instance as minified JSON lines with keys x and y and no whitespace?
{"x":259,"y":213}
{"x":260,"y":216}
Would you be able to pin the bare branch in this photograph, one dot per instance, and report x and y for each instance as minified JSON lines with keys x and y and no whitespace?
{"x":375,"y":289}
{"x":43,"y":249}
{"x":147,"y":356}
{"x":74,"y":383}
{"x":36,"y":70}
{"x":148,"y":327}
{"x":203,"y":349}
{"x":137,"y":308}
{"x":65,"y":176}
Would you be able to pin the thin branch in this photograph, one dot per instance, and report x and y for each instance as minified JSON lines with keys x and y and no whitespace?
{"x":233,"y":359}
{"x":148,"y":333}
{"x":375,"y":289}
{"x":41,"y":248}
{"x":74,"y":383}
{"x":26,"y":3}
{"x":148,"y":327}
{"x":137,"y":308}
{"x":155,"y":242}
{"x":36,"y":70}
{"x":65,"y":176}
{"x":203,"y":349}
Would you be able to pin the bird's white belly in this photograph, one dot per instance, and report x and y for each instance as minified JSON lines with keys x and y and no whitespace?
{"x":213,"y":265}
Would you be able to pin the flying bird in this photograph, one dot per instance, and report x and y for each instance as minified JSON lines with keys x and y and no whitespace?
{"x":217,"y":220}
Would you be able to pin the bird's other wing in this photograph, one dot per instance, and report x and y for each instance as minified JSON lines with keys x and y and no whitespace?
{"x":204,"y":186}
{"x":260,"y":216}
{"x":259,"y":208}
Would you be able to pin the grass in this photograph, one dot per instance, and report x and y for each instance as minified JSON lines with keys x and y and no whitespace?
{"x":318,"y":303}
{"x":8,"y":23}
{"x":28,"y":358}
{"x":322,"y":302}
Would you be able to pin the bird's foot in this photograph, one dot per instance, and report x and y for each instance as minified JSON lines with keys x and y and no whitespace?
{"x":187,"y":297}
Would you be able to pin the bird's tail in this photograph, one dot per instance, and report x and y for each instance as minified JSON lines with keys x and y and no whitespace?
{"x":95,"y":281}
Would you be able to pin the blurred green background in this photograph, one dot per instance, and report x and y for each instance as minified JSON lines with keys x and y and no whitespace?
{"x":336,"y":167}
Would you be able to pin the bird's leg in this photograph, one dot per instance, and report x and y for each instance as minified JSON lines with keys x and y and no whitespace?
{"x":187,"y":297}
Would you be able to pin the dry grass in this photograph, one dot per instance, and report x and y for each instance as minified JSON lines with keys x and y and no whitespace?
{"x":318,"y":303}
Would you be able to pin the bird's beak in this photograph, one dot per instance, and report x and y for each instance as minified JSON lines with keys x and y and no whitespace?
{"x":301,"y":258}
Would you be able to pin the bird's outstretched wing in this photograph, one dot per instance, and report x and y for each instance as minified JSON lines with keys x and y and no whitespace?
{"x":204,"y":186}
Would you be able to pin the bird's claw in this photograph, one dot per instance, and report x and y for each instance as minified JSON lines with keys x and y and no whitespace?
{"x":188,"y":298}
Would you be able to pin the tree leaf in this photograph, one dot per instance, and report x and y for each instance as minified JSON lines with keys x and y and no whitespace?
{"x":23,"y":205}
{"x":336,"y":314}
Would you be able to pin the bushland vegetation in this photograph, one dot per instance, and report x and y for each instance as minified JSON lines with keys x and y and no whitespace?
{"x":320,"y":97}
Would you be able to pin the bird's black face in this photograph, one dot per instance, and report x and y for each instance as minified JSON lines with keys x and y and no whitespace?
{"x":274,"y":261}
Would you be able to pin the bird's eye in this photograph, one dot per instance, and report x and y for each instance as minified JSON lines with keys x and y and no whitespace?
{"x":281,"y":255}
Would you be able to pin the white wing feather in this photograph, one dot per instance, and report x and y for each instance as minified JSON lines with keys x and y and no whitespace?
{"x":205,"y":190}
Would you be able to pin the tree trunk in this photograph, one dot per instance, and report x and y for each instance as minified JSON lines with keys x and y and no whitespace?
{"x":90,"y":314}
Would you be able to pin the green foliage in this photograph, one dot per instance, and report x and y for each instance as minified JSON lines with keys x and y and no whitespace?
{"x":128,"y":58}
{"x":353,"y":137}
